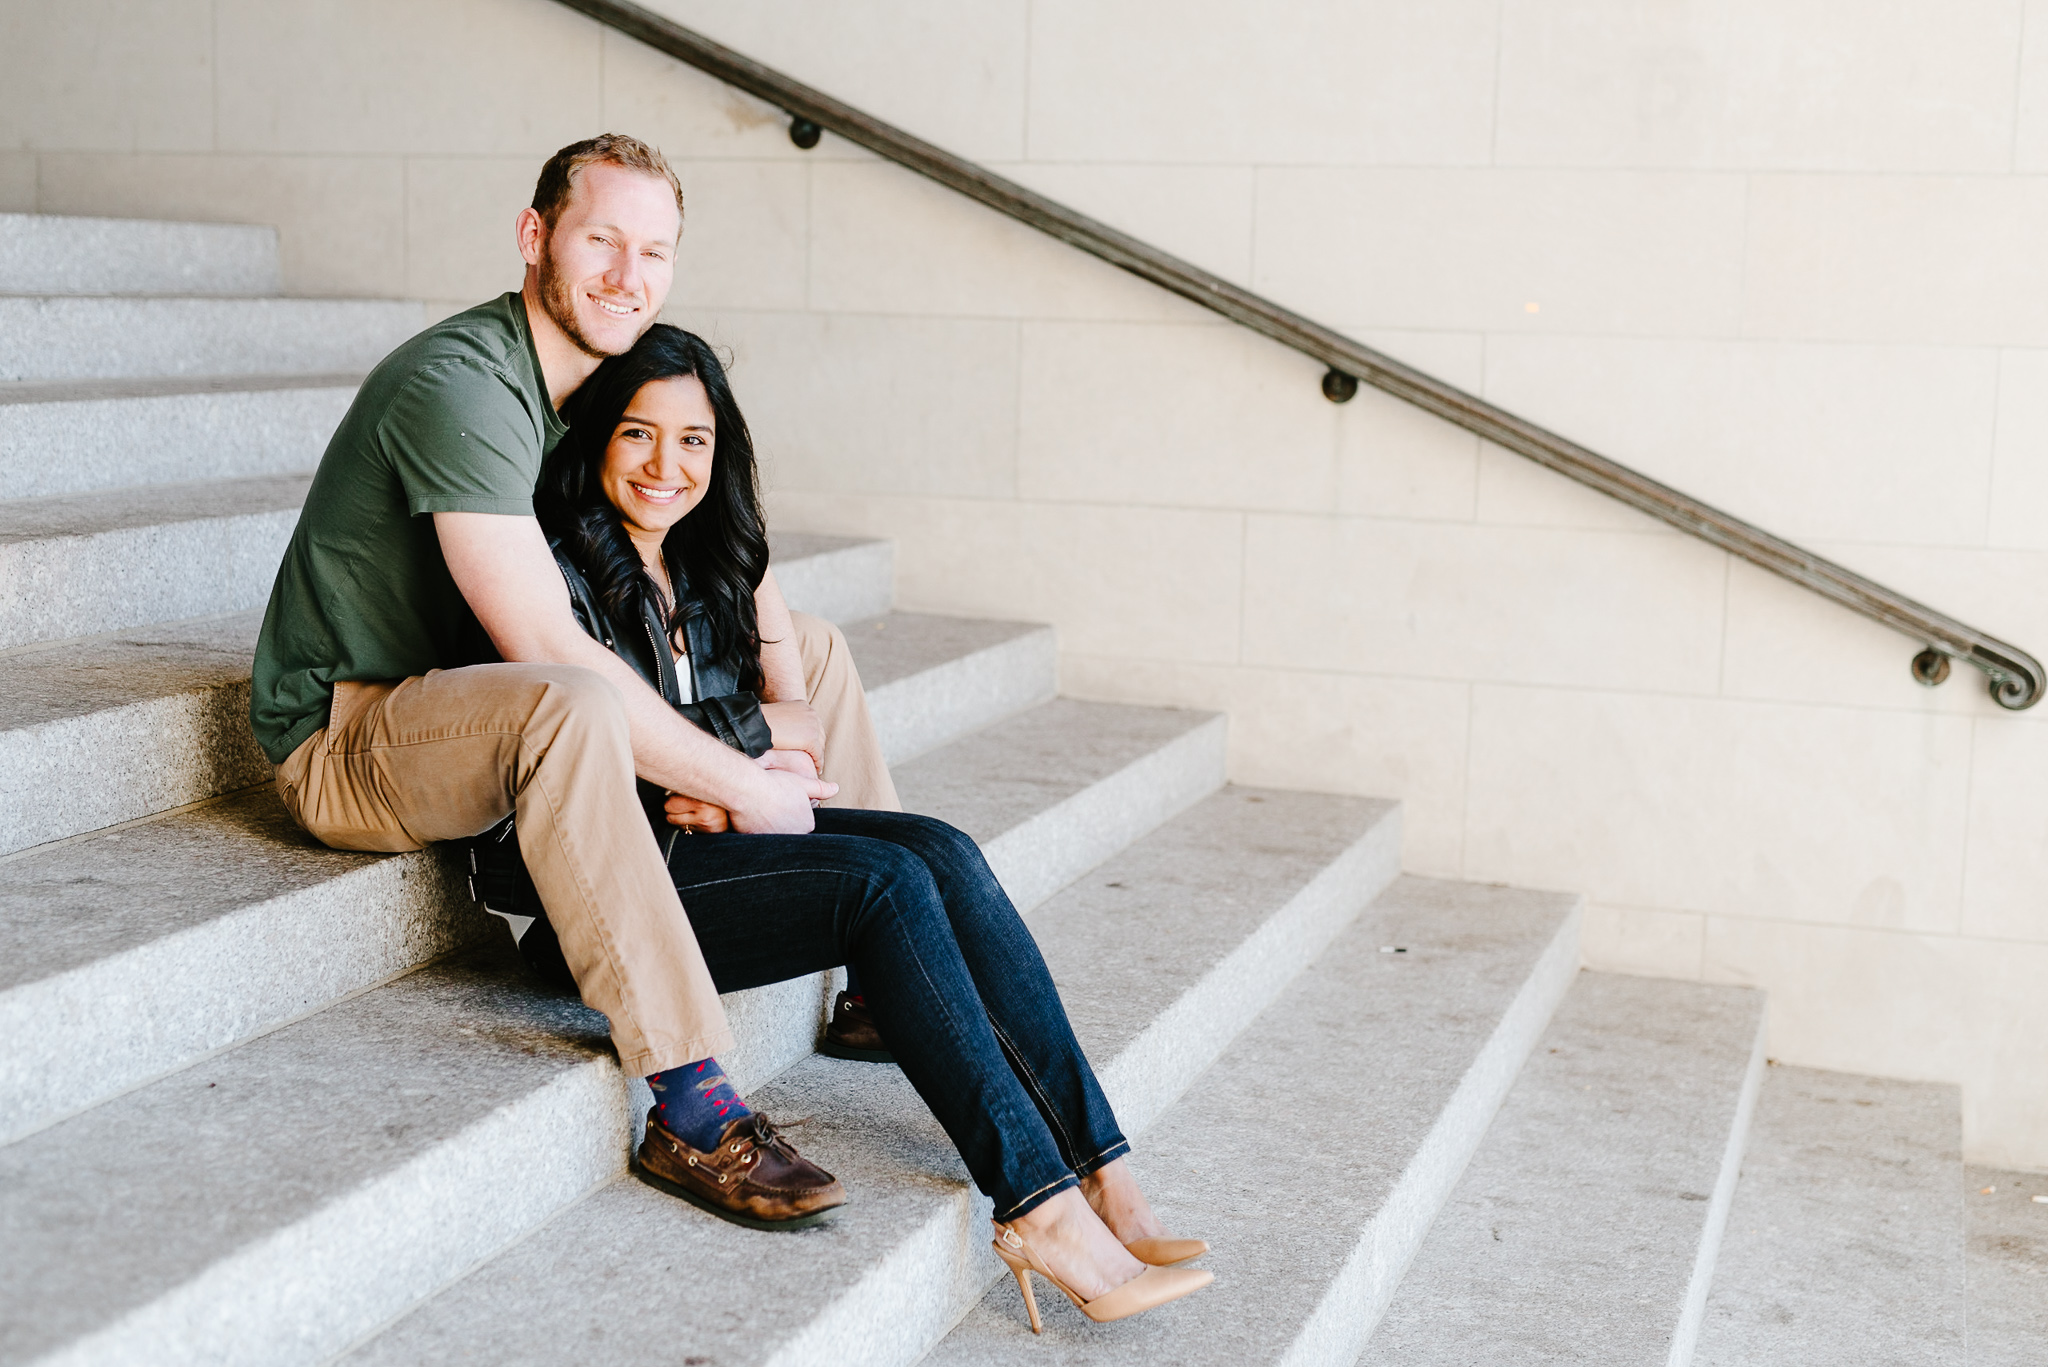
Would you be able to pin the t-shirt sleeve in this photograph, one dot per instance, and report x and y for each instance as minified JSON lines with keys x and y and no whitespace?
{"x":462,"y":441}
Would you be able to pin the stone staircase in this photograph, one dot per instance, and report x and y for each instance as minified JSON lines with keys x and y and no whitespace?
{"x":263,"y":1102}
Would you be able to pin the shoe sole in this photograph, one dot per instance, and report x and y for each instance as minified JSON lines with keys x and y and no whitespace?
{"x":831,"y":1050}
{"x":709,"y":1207}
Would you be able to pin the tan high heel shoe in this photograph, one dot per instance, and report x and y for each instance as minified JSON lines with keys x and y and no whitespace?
{"x":1154,"y":1286}
{"x":1163,"y":1252}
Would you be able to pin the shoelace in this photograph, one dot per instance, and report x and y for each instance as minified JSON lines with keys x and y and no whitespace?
{"x":770,"y":1134}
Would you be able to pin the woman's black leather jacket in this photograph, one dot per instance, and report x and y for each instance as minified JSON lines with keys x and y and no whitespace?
{"x":720,"y":708}
{"x":732,"y":716}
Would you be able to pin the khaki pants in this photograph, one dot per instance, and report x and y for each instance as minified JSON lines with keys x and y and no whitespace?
{"x":853,"y":754}
{"x":448,"y":754}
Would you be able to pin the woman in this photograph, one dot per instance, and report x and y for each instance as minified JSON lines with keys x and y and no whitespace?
{"x":652,"y":508}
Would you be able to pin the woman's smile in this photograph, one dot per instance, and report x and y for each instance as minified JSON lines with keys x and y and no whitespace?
{"x":653,"y":494}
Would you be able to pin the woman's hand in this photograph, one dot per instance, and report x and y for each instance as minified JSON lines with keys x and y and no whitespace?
{"x":693,"y":815}
{"x":794,"y":726}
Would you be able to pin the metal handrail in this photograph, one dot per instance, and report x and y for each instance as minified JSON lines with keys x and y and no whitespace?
{"x":2017,"y":678}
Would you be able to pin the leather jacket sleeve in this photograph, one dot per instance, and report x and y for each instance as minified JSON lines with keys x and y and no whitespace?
{"x":735,"y":718}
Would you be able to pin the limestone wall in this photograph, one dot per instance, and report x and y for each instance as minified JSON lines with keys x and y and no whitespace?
{"x":1786,"y":254}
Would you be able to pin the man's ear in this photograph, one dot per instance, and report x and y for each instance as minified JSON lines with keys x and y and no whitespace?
{"x":532,"y":234}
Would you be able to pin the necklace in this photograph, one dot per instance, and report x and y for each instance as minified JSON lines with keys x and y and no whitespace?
{"x":658,"y":569}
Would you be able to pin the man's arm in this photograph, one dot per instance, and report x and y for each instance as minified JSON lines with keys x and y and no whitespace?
{"x":507,"y":574}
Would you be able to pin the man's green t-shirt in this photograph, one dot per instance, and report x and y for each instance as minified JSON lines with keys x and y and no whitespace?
{"x":456,"y":420}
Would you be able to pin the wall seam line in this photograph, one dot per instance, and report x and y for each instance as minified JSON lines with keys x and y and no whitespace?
{"x":213,"y":78}
{"x":1024,"y":102}
{"x":1969,"y":807}
{"x":1244,"y":557}
{"x":1727,"y":584}
{"x":1997,"y":422}
{"x":2019,"y":88}
{"x":1016,"y":415}
{"x":1500,"y":42}
{"x":1742,"y":263}
{"x":1465,"y":787}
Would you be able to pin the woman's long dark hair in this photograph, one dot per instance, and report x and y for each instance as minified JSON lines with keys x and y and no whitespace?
{"x":717,"y":553}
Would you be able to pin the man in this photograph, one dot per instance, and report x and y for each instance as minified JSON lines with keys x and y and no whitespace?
{"x":419,"y":526}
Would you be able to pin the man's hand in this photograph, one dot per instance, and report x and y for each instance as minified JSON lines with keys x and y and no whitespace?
{"x":782,"y":766}
{"x":794,"y":762}
{"x":779,"y":816}
{"x":781,"y":803}
{"x":507,"y":574}
{"x":794,"y":726}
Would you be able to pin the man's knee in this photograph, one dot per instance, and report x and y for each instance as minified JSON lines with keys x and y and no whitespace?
{"x":569,"y":699}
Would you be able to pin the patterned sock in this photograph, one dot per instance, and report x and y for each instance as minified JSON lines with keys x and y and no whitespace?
{"x":853,"y":985}
{"x":696,"y":1103}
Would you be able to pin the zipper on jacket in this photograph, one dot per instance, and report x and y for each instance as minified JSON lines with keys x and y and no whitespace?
{"x":664,"y":658}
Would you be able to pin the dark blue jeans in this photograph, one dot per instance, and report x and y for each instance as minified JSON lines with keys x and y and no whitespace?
{"x":955,"y":981}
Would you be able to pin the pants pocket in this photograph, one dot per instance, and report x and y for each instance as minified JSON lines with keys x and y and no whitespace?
{"x":319,"y":787}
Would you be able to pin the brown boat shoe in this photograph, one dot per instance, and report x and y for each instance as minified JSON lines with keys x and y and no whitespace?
{"x":852,"y":1033}
{"x":754,"y":1178}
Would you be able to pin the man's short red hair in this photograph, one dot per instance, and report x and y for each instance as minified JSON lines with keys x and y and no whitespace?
{"x":558,"y":178}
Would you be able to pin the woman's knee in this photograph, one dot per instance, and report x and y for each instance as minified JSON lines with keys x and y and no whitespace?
{"x":900,"y":887}
{"x":943,"y":847}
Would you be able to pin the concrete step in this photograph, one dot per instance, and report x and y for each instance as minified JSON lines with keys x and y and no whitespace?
{"x":167,"y":709}
{"x":214,"y":923}
{"x":44,"y":338}
{"x":1846,"y":1243}
{"x":1054,"y":791}
{"x":1162,"y":954}
{"x":284,"y":1197}
{"x":115,"y":728}
{"x":971,"y":672}
{"x":167,"y":706}
{"x":136,"y":951}
{"x":78,"y":436}
{"x":85,"y":564}
{"x":1588,"y":1222}
{"x":268,"y":1206}
{"x":1316,"y":1152}
{"x":840,"y":578}
{"x":56,"y":254}
{"x":2007,"y":1266}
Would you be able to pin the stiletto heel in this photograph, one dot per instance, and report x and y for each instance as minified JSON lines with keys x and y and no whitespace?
{"x":1153,"y":1287}
{"x":1023,"y":1275}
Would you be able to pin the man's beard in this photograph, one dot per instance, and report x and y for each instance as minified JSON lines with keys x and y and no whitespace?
{"x":558,"y":301}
